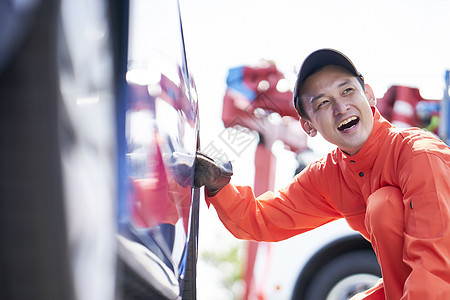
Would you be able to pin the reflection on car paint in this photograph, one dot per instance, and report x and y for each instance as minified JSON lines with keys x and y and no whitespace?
{"x":161,"y":133}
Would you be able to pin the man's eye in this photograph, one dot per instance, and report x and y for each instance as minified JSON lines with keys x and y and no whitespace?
{"x":322,"y":103}
{"x":347,"y":90}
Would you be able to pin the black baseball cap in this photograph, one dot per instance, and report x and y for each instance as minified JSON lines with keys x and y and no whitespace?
{"x":321,"y":58}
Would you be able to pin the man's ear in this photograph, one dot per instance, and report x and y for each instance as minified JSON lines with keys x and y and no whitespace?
{"x":308,"y":127}
{"x":370,"y":95}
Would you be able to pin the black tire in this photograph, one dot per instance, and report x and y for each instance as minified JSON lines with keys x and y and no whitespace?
{"x":353,"y":266}
{"x":34,"y":255}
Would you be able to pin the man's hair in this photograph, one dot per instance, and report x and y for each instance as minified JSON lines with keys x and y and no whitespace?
{"x":315,"y":62}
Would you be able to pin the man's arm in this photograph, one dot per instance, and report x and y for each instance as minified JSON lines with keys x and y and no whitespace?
{"x":273,"y":216}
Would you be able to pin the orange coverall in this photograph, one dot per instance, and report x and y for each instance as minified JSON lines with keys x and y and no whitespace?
{"x":395,"y":191}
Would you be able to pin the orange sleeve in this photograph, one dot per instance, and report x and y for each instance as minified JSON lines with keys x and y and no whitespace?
{"x":427,"y":227}
{"x":272,"y":216}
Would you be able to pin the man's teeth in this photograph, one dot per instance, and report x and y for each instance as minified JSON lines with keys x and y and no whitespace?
{"x":346,"y":121}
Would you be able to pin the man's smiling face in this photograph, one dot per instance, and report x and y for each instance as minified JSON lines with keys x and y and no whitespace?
{"x":338,"y":108}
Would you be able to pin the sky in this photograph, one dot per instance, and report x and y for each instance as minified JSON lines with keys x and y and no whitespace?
{"x":390,"y":42}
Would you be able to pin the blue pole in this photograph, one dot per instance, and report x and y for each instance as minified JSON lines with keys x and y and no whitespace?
{"x":444,"y":123}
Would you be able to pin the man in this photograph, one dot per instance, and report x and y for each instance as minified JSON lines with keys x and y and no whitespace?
{"x":390,"y":184}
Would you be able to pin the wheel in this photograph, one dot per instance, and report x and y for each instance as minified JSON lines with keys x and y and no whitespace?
{"x":34,"y":255}
{"x":345,"y":276}
{"x":43,"y":254}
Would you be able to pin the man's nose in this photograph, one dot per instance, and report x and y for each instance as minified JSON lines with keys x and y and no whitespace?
{"x":340,"y":106}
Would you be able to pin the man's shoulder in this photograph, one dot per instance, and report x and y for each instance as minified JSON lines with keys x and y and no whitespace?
{"x":416,"y":141}
{"x":326,"y":162}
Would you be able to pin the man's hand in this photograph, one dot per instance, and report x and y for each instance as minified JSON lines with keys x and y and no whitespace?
{"x":211,"y":174}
